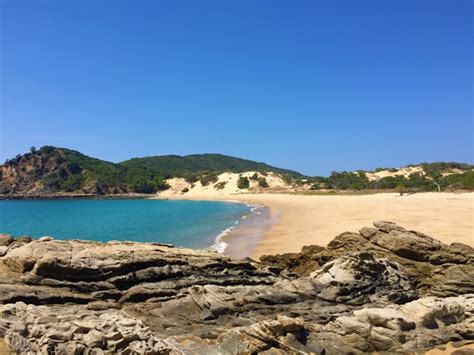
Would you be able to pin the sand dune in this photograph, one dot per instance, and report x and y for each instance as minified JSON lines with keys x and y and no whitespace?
{"x":228,"y":185}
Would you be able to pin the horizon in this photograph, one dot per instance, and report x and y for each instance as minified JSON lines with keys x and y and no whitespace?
{"x":311,"y":87}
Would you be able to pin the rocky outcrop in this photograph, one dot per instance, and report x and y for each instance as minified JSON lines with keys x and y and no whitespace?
{"x":383,"y":289}
{"x":435,"y":268}
{"x":359,"y":278}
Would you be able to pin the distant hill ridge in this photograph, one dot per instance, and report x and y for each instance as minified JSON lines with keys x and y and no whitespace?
{"x":180,"y":166}
{"x":52,"y":170}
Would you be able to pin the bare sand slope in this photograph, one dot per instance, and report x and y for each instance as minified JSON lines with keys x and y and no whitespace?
{"x":304,"y":220}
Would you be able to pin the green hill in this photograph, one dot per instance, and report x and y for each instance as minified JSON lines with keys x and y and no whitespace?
{"x":182,"y":166}
{"x":52,"y":170}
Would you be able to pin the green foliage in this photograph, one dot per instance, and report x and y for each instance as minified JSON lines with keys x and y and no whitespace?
{"x":243,"y":183}
{"x":184,"y":190}
{"x":208,"y":179}
{"x":262,"y":182}
{"x":431,"y":168}
{"x":191,"y":178}
{"x":142,"y":185}
{"x":401,"y":189}
{"x":183,"y":166}
{"x":464,"y":181}
{"x":67,"y":170}
{"x":72,"y":183}
{"x":160,"y":184}
{"x":220,"y":185}
{"x":346,"y":181}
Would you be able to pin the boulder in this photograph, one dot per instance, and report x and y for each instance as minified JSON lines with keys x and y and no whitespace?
{"x":359,"y":278}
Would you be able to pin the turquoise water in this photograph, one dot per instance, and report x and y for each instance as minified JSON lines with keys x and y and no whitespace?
{"x":193,"y":224}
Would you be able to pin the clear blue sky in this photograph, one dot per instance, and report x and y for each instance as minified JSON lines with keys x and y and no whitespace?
{"x":313,"y":86}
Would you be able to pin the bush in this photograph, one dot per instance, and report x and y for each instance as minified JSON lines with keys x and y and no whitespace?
{"x":401,"y":189}
{"x":191,"y":178}
{"x":243,"y":183}
{"x":142,"y":185}
{"x":220,"y":185}
{"x":347,"y":180}
{"x":183,"y":191}
{"x":73,"y":183}
{"x":254,"y":177}
{"x":262,"y":182}
{"x":463,"y":181}
{"x":160,"y":184}
{"x":208,"y":179}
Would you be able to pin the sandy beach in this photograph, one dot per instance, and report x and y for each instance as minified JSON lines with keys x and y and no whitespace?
{"x":316,"y":219}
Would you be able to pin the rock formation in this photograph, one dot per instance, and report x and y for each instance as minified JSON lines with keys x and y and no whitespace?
{"x":383,"y":289}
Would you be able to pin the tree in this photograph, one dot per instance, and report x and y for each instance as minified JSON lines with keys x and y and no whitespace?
{"x":401,"y":189}
{"x":33,"y":149}
{"x":160,"y":184}
{"x":243,"y":183}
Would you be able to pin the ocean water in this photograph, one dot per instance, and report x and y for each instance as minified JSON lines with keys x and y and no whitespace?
{"x":193,"y":224}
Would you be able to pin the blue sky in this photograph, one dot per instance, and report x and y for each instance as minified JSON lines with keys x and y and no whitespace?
{"x":314,"y":86}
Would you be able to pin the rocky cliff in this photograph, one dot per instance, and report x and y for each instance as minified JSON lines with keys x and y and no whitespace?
{"x":384,"y":289}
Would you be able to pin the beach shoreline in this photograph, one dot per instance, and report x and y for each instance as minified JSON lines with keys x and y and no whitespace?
{"x":298,"y":220}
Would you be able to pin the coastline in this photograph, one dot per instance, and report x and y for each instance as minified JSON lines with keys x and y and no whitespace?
{"x":75,"y":196}
{"x":242,"y":240}
{"x":299,"y":220}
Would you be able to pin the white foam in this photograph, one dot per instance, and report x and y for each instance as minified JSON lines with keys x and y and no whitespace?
{"x":219,"y":245}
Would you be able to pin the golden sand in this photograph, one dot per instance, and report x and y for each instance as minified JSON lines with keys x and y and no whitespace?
{"x":317,"y":219}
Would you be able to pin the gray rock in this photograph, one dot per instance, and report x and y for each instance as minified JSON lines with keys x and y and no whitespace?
{"x":357,"y":295}
{"x":359,"y":278}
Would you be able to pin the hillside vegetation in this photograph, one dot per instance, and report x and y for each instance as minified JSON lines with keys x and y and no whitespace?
{"x":198,"y":164}
{"x":439,"y":176}
{"x":51,"y":170}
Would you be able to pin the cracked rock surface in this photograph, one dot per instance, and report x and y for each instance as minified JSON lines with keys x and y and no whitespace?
{"x":384,"y":289}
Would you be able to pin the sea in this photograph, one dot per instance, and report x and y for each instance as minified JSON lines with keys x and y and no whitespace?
{"x":192,"y":224}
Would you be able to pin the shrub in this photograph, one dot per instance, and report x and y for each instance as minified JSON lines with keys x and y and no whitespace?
{"x":220,"y":185}
{"x":401,"y":189}
{"x":254,"y":177}
{"x":191,"y":178}
{"x":74,"y":168}
{"x":184,"y":190}
{"x":288,"y":179}
{"x":262,"y":182}
{"x":160,"y":184}
{"x":142,"y":185}
{"x":243,"y":183}
{"x":73,"y":183}
{"x":208,"y":179}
